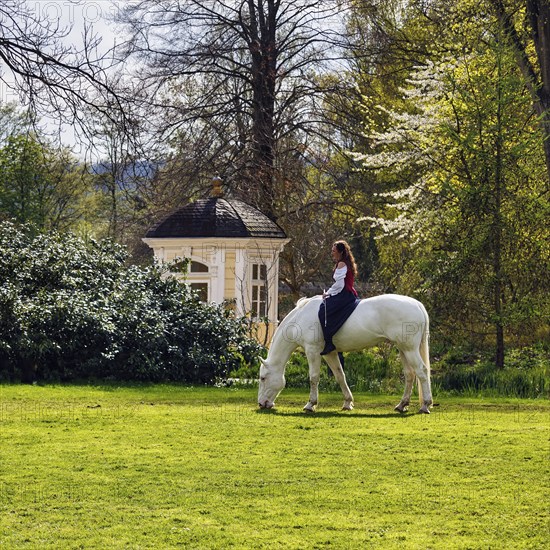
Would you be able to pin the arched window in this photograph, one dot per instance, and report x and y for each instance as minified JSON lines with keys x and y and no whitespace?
{"x":197,"y":267}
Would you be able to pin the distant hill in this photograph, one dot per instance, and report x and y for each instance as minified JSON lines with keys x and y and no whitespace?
{"x":129,"y":174}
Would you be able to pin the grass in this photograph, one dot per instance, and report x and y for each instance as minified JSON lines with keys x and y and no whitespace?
{"x":201,"y":468}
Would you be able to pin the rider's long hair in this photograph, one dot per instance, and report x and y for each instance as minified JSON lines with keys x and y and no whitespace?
{"x":347,"y":256}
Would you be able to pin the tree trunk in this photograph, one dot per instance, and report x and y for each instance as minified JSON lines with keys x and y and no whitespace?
{"x":498,"y":229}
{"x":538,"y":13}
{"x":498,"y":275}
{"x":263,"y":49}
{"x":537,"y":79}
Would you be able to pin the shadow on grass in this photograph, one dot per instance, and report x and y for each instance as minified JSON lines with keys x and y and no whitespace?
{"x":335,"y":414}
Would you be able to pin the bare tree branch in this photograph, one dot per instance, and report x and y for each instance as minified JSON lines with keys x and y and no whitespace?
{"x":243,"y":68}
{"x":52,"y":77}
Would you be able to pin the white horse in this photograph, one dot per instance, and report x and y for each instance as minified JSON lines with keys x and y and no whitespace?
{"x":399,"y":319}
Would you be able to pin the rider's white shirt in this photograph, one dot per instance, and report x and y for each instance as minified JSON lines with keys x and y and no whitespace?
{"x":339,"y":281}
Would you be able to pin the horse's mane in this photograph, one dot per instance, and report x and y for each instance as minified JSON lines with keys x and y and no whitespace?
{"x":290,"y":317}
{"x":302,"y":302}
{"x":299,"y":305}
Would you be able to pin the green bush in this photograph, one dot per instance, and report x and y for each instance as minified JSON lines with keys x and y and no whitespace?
{"x":70,"y":310}
{"x":375,"y":370}
{"x":526,"y":373}
{"x":456,"y":372}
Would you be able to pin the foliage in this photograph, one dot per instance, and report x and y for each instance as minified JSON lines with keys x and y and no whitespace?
{"x":166,"y":466}
{"x":458,"y":371}
{"x":70,"y":310}
{"x":41,"y":184}
{"x":464,"y":195}
{"x":454,"y":92}
{"x":526,"y":373}
{"x":375,"y":370}
{"x":483,"y":379}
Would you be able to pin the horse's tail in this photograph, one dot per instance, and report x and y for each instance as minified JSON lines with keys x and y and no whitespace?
{"x":425,"y":351}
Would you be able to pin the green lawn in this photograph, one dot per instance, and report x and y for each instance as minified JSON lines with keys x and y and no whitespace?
{"x":174,"y":467}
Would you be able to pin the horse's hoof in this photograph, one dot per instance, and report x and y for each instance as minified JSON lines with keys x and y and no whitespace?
{"x":400,"y":408}
{"x":309,"y":408}
{"x":309,"y":411}
{"x":424,"y":410}
{"x":347,"y":407}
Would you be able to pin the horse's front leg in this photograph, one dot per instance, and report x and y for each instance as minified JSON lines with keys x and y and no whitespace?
{"x":336,"y":368}
{"x":314,"y":361}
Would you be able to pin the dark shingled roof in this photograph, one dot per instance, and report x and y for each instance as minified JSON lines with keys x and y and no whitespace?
{"x":216,"y":217}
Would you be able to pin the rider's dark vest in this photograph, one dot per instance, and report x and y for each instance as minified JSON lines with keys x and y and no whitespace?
{"x":349,"y":280}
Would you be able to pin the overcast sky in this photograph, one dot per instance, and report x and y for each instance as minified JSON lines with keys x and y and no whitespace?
{"x":74,"y":15}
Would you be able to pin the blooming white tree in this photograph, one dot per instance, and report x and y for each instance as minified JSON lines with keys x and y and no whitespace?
{"x":408,"y":154}
{"x":461,"y":166}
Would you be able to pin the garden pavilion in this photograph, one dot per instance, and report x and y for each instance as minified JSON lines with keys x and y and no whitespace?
{"x":233,"y":253}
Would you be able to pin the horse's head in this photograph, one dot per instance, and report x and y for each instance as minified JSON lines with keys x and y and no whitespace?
{"x":272,"y":381}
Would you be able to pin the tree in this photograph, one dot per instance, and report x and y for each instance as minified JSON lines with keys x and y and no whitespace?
{"x":251,"y":91}
{"x":527,"y":26}
{"x":118,"y":175}
{"x":468,"y":205}
{"x":242,"y":74}
{"x":53,"y":76}
{"x":41,"y":185}
{"x":13,"y":121}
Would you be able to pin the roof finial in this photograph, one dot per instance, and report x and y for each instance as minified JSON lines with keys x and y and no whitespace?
{"x":217,"y":190}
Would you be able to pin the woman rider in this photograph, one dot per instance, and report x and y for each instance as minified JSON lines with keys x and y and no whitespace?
{"x":340,"y":300}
